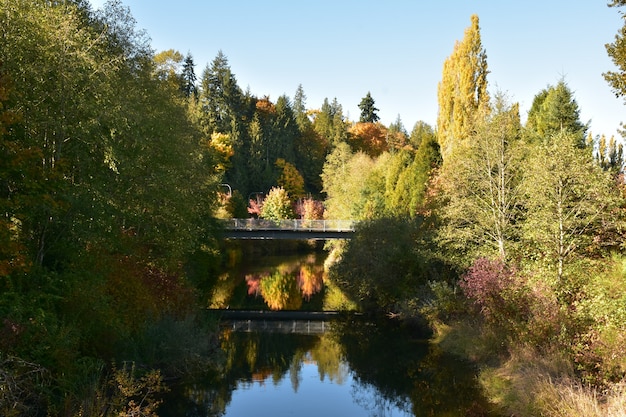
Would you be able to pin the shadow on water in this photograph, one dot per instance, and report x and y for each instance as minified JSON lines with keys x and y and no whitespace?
{"x":390,"y":368}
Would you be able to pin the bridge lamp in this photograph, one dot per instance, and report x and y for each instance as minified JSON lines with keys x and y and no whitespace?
{"x":230,"y":190}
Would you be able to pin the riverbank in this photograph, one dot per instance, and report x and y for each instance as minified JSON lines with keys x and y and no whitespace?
{"x":522,"y":383}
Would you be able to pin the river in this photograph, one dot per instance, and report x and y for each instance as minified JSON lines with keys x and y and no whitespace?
{"x":355,"y":367}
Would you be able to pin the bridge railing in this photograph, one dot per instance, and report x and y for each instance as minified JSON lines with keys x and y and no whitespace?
{"x":290,"y":224}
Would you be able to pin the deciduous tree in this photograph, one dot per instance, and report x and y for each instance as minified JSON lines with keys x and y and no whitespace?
{"x":483,"y":187}
{"x":569,"y":200}
{"x":277,"y":205}
{"x":462,"y":89}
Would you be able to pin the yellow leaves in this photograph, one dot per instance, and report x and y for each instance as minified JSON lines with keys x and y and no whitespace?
{"x":290,"y":179}
{"x":222,"y":144}
{"x":167,"y":65}
{"x":463,"y":88}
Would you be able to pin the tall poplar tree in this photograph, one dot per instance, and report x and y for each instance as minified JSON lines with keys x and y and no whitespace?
{"x":462,"y":89}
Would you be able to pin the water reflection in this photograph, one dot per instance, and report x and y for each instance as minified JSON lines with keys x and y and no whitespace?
{"x":278,"y":283}
{"x":358,"y":369}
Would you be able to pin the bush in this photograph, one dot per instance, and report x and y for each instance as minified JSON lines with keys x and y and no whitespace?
{"x":277,"y":205}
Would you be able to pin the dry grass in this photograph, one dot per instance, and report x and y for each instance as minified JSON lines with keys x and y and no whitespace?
{"x":567,"y":398}
{"x":531,"y":385}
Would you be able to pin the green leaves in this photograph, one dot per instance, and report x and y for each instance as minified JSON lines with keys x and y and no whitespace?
{"x":569,"y":200}
{"x":277,"y":205}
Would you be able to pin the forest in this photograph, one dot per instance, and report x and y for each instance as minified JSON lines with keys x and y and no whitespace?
{"x":505,"y":239}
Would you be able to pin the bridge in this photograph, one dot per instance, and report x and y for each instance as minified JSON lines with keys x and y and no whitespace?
{"x":288,"y":229}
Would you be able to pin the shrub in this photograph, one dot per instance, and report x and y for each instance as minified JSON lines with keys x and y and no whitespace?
{"x":491,"y":286}
{"x":277,"y":205}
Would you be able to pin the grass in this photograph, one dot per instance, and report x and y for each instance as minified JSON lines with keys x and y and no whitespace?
{"x":530,"y":385}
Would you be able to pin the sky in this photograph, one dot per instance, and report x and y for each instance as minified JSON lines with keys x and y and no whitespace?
{"x":395,"y":50}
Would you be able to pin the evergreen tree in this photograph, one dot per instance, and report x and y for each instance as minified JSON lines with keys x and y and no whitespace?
{"x":368,"y":111}
{"x":397,"y":136}
{"x":299,"y":109}
{"x":610,"y":156}
{"x":462,"y":89}
{"x":188,"y":78}
{"x":555,"y":109}
{"x":221,"y":98}
{"x":329,"y":123}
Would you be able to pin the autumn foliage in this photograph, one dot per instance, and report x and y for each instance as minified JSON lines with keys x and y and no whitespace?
{"x":370,"y":138}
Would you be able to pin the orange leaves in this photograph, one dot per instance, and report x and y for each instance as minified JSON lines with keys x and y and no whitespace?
{"x":265,"y":106}
{"x":370,"y":138}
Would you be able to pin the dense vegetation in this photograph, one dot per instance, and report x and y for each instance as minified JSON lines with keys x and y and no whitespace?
{"x":116,"y":160}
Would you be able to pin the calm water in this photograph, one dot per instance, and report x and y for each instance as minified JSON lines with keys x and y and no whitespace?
{"x":358,"y":368}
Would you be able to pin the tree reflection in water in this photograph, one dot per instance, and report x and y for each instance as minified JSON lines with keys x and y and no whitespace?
{"x":389,"y":367}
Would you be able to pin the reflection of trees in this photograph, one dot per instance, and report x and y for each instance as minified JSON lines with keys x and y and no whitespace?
{"x":249,"y":358}
{"x":371,"y":399}
{"x":407,"y":372}
{"x":280,"y":292}
{"x":222,"y":291}
{"x":285,"y":285}
{"x":310,"y":280}
{"x":329,"y":358}
{"x":390,"y":365}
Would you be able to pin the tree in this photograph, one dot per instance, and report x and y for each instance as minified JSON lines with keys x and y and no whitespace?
{"x":368,"y":111}
{"x":188,"y":78}
{"x":610,"y":157}
{"x":555,"y":109}
{"x":290,"y":179}
{"x":309,"y":146}
{"x":369,"y":138}
{"x":381,"y":265}
{"x":167,"y":66}
{"x":344,"y":178}
{"x":617,"y":53}
{"x":329,"y":123}
{"x":277,"y":205}
{"x":482,"y":189}
{"x":397,"y":137}
{"x":422,"y":132}
{"x":569,"y":201}
{"x":462,"y":89}
{"x":220,"y":96}
{"x":407,"y":196}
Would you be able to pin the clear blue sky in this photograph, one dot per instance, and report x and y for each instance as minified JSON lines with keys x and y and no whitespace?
{"x":395,"y":50}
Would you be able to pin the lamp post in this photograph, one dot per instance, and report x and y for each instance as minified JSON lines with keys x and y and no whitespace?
{"x":255,"y":193}
{"x":230,"y":190}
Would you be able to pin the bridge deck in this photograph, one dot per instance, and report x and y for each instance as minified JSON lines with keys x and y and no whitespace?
{"x":288,"y":229}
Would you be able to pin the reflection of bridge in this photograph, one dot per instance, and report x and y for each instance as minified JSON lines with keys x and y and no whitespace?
{"x":273,"y":326}
{"x":288,"y":229}
{"x":301,"y":322}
